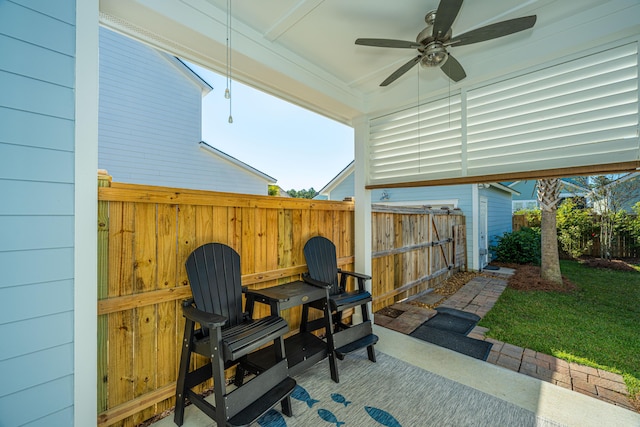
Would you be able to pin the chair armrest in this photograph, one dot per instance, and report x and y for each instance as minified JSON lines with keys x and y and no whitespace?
{"x":208,"y":320}
{"x":315,"y":282}
{"x":360,"y":278}
{"x":354,"y":274}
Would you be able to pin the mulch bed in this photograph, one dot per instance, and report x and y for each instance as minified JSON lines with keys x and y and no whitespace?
{"x":527,"y":278}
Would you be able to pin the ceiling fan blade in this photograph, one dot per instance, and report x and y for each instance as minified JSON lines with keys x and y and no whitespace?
{"x":453,"y":69}
{"x":493,"y":31}
{"x":400,"y":71}
{"x":388,"y":43}
{"x":445,"y":15}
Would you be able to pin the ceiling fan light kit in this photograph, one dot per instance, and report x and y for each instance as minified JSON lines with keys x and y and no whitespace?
{"x":433,"y":41}
{"x":434,"y":55}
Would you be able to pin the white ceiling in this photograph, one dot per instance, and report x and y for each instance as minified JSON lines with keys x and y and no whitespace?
{"x":304,"y":51}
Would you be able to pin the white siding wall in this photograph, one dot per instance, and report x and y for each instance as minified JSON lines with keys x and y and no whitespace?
{"x":37,"y":41}
{"x":150,"y":123}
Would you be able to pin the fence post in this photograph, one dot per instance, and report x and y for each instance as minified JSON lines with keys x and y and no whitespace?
{"x":104,"y":180}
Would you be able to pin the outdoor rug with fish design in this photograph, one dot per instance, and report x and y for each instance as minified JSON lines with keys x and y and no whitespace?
{"x":392,"y":393}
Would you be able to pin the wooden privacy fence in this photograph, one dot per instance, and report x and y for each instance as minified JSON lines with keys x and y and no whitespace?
{"x":145,"y":235}
{"x":413,"y":249}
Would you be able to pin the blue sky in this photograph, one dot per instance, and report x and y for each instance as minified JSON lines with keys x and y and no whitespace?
{"x":299,"y":148}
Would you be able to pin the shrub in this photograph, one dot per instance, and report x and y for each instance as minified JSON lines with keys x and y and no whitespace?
{"x":575,"y":228}
{"x":521,"y":247}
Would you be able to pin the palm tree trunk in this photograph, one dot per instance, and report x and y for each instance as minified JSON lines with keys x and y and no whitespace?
{"x":549,"y":197}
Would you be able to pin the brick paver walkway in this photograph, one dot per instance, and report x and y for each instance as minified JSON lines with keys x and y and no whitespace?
{"x":478,"y":296}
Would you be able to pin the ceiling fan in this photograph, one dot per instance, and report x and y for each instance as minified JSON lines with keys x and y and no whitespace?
{"x":433,"y":41}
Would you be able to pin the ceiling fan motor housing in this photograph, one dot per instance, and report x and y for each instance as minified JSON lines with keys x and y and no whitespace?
{"x":433,"y":53}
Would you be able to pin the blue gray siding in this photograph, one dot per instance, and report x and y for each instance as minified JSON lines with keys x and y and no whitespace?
{"x":344,"y":189}
{"x":37,"y":74}
{"x":498,"y":215}
{"x":150,"y":123}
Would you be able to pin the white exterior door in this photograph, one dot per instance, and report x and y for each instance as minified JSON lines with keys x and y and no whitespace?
{"x":483,"y":240}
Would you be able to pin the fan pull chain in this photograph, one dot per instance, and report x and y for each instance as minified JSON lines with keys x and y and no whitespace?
{"x":419,"y":128}
{"x":227,"y":92}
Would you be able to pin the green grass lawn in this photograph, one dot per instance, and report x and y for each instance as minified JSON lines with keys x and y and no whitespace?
{"x":597,"y":325}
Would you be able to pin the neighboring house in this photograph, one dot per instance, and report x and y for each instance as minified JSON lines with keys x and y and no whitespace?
{"x":487,"y":208}
{"x":150,"y":123}
{"x":527,"y":197}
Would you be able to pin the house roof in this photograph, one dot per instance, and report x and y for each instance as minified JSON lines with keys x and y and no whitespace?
{"x":211,"y":149}
{"x":566,"y":182}
{"x":627,"y":177}
{"x":503,"y":187}
{"x":335,"y":181}
{"x":189,"y":73}
{"x":206,"y":87}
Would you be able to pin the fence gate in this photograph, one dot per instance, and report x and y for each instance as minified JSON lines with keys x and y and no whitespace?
{"x":413,"y":249}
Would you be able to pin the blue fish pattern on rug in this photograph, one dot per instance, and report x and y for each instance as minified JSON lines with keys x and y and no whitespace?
{"x":329,"y":417}
{"x":299,"y":393}
{"x":272,"y":418}
{"x":338,"y":398}
{"x":383,"y":417}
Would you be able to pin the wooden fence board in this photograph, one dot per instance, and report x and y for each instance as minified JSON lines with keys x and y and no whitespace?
{"x":234,"y":228}
{"x":103,"y":292}
{"x":144,"y":322}
{"x":248,"y":239}
{"x":204,"y":222}
{"x":120,"y":367}
{"x":220,"y":220}
{"x":120,"y":247}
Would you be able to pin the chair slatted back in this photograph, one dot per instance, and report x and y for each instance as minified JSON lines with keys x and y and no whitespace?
{"x":214,"y":275}
{"x":320,"y":254}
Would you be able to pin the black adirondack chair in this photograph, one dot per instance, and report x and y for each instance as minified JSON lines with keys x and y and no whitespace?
{"x":320,"y":254}
{"x":226,"y":336}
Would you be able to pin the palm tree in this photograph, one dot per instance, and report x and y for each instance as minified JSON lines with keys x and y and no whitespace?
{"x":549,"y":198}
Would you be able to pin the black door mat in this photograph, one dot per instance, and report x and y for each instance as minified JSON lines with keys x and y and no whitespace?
{"x":459,"y":313}
{"x":451,"y":323}
{"x":453,"y":341}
